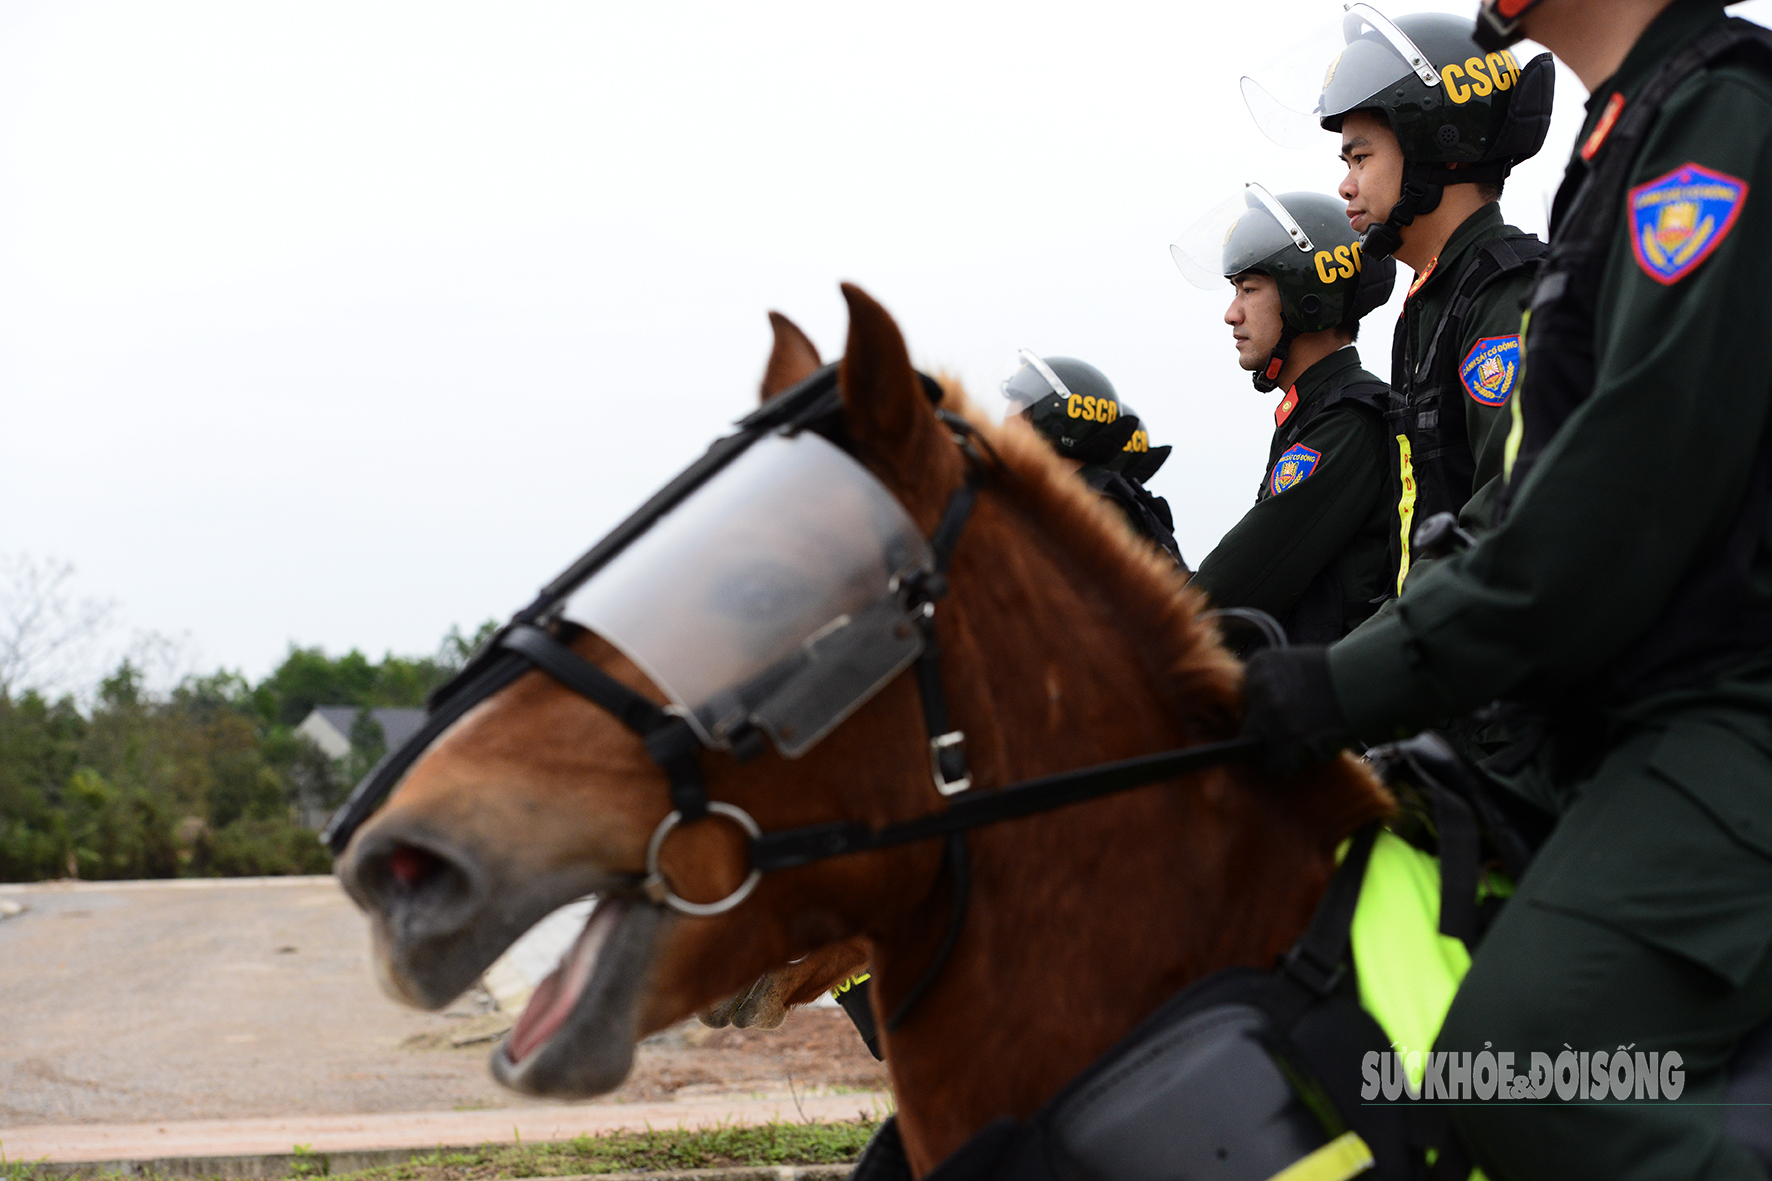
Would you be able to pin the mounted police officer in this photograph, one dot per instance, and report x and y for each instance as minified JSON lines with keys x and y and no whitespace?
{"x":1314,"y":551}
{"x":1625,"y":594}
{"x":1431,"y":124}
{"x":1074,"y":407}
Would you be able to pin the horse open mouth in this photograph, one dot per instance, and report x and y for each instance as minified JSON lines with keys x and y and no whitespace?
{"x":576,"y":1036}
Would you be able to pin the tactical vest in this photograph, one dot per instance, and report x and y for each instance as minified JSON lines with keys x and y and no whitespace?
{"x":1321,"y":615}
{"x":1432,"y":466}
{"x":1147,"y":513}
{"x":1712,"y":617}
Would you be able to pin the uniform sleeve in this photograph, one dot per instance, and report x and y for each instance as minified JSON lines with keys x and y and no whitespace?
{"x":1488,"y":365}
{"x":1642,"y":480}
{"x":1269,"y":558}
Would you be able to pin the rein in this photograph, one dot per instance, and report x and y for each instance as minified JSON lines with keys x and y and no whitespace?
{"x":536,"y":638}
{"x":819,"y":842}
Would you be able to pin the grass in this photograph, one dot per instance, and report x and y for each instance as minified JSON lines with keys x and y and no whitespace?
{"x":609,"y":1152}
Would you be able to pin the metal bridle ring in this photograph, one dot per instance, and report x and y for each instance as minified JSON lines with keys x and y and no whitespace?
{"x":657,"y":889}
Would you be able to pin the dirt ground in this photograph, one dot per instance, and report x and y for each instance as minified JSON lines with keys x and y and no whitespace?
{"x":134,"y":1002}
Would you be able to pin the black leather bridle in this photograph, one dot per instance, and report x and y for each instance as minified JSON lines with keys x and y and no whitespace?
{"x":537,"y":637}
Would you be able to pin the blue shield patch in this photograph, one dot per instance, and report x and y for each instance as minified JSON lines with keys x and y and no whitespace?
{"x":1678,"y":219}
{"x":1490,"y":368}
{"x":1291,"y":468}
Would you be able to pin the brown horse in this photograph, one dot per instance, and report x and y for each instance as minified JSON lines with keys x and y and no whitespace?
{"x":1065,"y":642}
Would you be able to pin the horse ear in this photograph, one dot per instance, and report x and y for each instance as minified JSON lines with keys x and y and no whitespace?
{"x":793,"y":358}
{"x":889,"y":415}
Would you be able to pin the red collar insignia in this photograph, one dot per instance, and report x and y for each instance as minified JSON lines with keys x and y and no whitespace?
{"x":1422,"y":278}
{"x":1287,"y":405}
{"x":1608,"y":118}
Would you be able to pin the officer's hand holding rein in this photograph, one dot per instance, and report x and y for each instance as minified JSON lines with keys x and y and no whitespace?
{"x":1290,"y":704}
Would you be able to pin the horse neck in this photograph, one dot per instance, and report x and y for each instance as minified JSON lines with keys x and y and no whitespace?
{"x":1081,"y":921}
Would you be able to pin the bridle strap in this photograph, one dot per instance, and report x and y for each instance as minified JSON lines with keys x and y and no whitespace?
{"x":959,"y":863}
{"x":669,"y":739}
{"x":947,"y":746}
{"x":585,"y":679}
{"x":492,"y":674}
{"x":954,"y":516}
{"x":819,"y":842}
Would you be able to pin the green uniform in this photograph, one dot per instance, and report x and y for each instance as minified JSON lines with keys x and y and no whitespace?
{"x":1479,"y":425}
{"x":1313,"y":552}
{"x":1627,"y":594}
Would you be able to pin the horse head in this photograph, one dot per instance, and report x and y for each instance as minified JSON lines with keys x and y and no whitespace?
{"x":1064,"y":642}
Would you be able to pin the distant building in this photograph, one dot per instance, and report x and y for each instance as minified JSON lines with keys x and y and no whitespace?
{"x":329,"y":727}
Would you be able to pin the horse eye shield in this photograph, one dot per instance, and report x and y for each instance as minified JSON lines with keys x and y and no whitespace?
{"x":769,"y":589}
{"x":770,"y":597}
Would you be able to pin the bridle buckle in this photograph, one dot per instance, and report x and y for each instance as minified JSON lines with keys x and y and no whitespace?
{"x":941,"y":744}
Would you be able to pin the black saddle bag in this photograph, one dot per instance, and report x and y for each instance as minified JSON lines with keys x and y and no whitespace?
{"x":1239,"y":1076}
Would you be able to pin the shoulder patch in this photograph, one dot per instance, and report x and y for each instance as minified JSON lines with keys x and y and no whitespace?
{"x":1292,"y":467}
{"x":1678,"y":219}
{"x":1489,"y":369}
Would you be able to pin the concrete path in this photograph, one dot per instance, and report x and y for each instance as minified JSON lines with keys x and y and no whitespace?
{"x":348,"y":1133}
{"x":211,"y":999}
{"x":215,"y":1017}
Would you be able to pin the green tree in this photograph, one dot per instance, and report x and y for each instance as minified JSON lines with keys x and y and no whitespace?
{"x":39,"y":751}
{"x":210,"y":778}
{"x":115,"y":833}
{"x":308,"y":677}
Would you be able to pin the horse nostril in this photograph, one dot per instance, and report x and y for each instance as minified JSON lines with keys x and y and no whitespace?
{"x":395,"y":873}
{"x":411,"y":866}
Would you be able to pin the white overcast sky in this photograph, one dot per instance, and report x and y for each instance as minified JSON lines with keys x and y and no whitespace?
{"x":340,"y":323}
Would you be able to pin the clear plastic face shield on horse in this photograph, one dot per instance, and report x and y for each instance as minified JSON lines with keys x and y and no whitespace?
{"x":770,"y":590}
{"x":1335,"y":69}
{"x":768,"y":598}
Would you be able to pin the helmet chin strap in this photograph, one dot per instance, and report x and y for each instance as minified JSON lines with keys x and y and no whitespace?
{"x":1423,"y":187}
{"x":1419,"y":196}
{"x":1267,"y":378}
{"x":1494,"y":31}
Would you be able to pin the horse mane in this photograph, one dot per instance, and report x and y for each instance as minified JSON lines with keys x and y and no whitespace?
{"x":1185,"y":660}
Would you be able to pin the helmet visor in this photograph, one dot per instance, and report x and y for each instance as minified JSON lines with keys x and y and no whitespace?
{"x":769,"y":597}
{"x":1335,"y":70}
{"x":1236,"y":235}
{"x":1033,"y":381}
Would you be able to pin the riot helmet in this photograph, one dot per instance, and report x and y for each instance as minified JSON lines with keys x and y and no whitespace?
{"x":1304,"y":243}
{"x":1137,"y":461}
{"x":1462,"y":114}
{"x":1071,"y":403}
{"x":1140,"y":465}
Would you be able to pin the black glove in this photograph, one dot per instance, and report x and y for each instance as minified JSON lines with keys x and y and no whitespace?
{"x":1289,"y":703}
